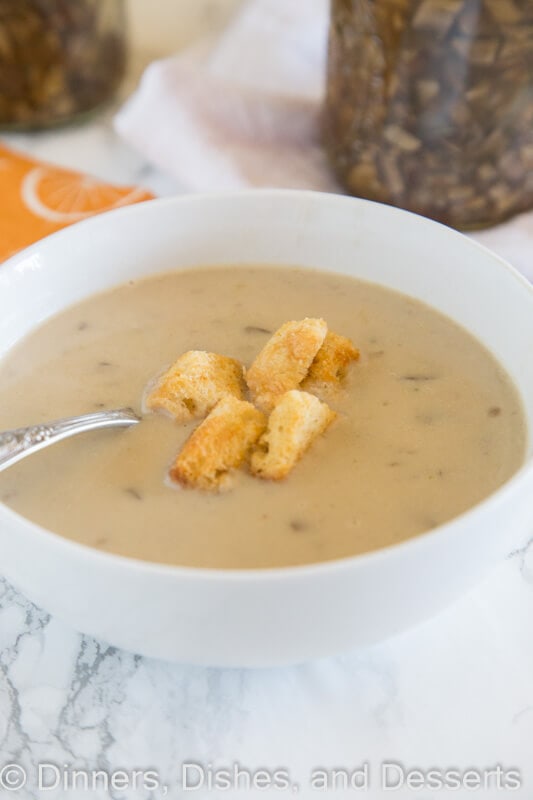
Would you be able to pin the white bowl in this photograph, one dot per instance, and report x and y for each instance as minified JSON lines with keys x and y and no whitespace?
{"x":275,"y":616}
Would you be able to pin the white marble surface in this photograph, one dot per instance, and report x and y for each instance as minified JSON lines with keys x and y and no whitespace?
{"x":455,"y":693}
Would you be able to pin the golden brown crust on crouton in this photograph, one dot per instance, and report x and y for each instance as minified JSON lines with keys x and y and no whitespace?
{"x":284,"y":361}
{"x":194,"y":384}
{"x":331,"y":362}
{"x":219,"y":444}
{"x":297,"y":419}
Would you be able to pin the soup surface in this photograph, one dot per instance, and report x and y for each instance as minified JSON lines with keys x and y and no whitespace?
{"x":429,"y":423}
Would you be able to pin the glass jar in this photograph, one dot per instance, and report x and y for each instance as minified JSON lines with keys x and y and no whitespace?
{"x":58,"y":58}
{"x":430,"y":105}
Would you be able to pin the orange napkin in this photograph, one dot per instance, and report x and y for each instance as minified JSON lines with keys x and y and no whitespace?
{"x":37,"y":199}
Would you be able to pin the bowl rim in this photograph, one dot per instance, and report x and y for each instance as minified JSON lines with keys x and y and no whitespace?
{"x":487,"y":506}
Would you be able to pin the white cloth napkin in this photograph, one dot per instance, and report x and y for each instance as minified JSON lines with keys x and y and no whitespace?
{"x":243,"y":109}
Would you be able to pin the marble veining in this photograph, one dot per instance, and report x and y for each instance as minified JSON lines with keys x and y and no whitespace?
{"x":457,"y":691}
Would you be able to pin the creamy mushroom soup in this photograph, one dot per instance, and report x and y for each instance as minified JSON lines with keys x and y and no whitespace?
{"x":428,"y":422}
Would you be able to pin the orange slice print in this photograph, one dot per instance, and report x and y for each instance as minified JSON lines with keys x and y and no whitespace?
{"x":37,"y":199}
{"x":66,"y":197}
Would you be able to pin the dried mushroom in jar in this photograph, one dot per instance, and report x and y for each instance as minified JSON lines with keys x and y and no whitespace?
{"x":58,"y":58}
{"x":430,"y":105}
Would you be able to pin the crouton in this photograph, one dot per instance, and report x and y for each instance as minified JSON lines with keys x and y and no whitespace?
{"x":194,"y":384}
{"x":284,"y":361}
{"x":219,"y":444}
{"x":297,"y":419}
{"x":331,"y":362}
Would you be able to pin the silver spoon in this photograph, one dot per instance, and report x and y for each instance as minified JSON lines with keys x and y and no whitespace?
{"x":22,"y":442}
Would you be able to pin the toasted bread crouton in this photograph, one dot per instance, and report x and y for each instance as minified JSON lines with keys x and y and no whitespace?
{"x":219,"y":444}
{"x":284,"y":361}
{"x":331,"y":362}
{"x":195,"y":383}
{"x":297,"y":419}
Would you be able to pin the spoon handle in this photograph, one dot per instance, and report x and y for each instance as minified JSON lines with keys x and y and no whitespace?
{"x":21,"y":442}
